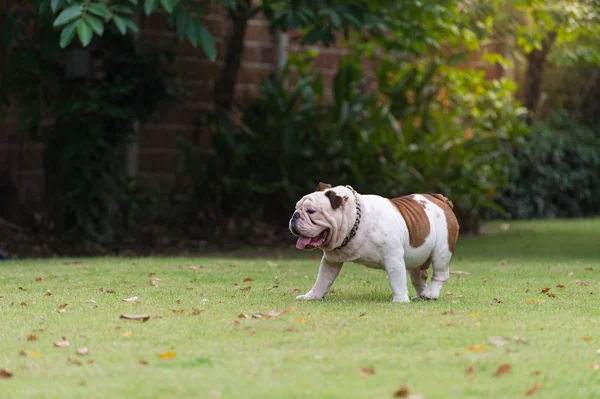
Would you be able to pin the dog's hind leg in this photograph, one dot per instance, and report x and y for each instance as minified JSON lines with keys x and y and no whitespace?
{"x":418,"y":277}
{"x":441,"y":272}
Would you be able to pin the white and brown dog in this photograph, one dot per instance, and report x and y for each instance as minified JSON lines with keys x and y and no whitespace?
{"x":399,"y":235}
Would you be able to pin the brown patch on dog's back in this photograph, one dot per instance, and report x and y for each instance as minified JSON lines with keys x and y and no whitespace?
{"x":416,"y":219}
{"x":451,"y":221}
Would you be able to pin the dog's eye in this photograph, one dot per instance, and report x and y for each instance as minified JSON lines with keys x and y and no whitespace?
{"x":310,"y":211}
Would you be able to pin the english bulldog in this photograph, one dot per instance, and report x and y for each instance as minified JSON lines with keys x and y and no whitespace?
{"x":401,"y":235}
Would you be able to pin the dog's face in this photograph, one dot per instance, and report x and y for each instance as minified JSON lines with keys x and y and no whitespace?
{"x":318,"y":218}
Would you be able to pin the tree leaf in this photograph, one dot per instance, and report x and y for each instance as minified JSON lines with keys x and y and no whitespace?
{"x":68,"y":15}
{"x":120,"y":24}
{"x":67,"y":34}
{"x":207,"y":41}
{"x":150,"y":6}
{"x":55,"y":5}
{"x":95,"y":23}
{"x":169,"y":5}
{"x":84,"y":31}
{"x":98,"y":9}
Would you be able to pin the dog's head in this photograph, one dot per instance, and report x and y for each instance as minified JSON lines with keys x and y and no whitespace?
{"x":318,"y":217}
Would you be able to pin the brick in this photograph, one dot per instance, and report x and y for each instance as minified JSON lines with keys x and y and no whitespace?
{"x":327,"y":61}
{"x":252,"y":54}
{"x":257,"y":33}
{"x":267,"y":54}
{"x":252,"y":74}
{"x":199,"y":70}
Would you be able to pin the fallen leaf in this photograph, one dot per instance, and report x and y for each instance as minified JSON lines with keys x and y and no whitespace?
{"x":540,"y":301}
{"x":143,"y":317}
{"x":598,"y":352}
{"x":22,"y":353}
{"x":459,"y":272}
{"x":248,"y":288}
{"x":300,"y":320}
{"x":155,"y":282}
{"x":48,"y":293}
{"x":594,"y":366}
{"x":474,"y":315}
{"x":571,"y":274}
{"x":560,"y":286}
{"x":39,"y":279}
{"x":536,"y":372}
{"x":90,"y":301}
{"x":448,"y":312}
{"x":167,"y":355}
{"x":128,"y":334}
{"x":242,"y":316}
{"x":529,"y":301}
{"x":110,"y":291}
{"x":143,"y":362}
{"x":130,"y":300}
{"x":235,"y":322}
{"x":289,"y":330}
{"x":470,"y":372}
{"x":520,"y":340}
{"x":178,"y":311}
{"x":589,"y":269}
{"x":580,"y":283}
{"x":247,"y":279}
{"x":277,"y":313}
{"x":586,"y":338}
{"x":403,"y":392}
{"x":503,"y":370}
{"x":62,"y":343}
{"x":83,"y":351}
{"x":551,"y":295}
{"x":5,"y":374}
{"x":366,"y":371}
{"x":257,"y":315}
{"x":544,"y":290}
{"x":495,"y":340}
{"x":22,"y":289}
{"x":193,"y":267}
{"x":75,"y":362}
{"x":251,"y":333}
{"x":196,"y":312}
{"x":477,"y":348}
{"x":295,"y":291}
{"x":63,"y":306}
{"x":23,"y":304}
{"x":533,"y":389}
{"x":361,"y":314}
{"x":460,"y":296}
{"x":497,"y":302}
{"x":32,"y":337}
{"x":35,"y":354}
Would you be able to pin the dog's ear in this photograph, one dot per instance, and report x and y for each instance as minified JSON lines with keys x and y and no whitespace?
{"x":336,"y":200}
{"x":323,"y":186}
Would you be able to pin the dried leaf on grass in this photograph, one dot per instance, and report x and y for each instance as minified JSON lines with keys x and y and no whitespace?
{"x":586,"y":338}
{"x":48,"y":293}
{"x":496,"y":340}
{"x":130,"y":300}
{"x":155,"y":282}
{"x":295,"y":291}
{"x":63,"y":343}
{"x":503,"y":370}
{"x":533,"y":389}
{"x":128,"y":334}
{"x":83,"y":351}
{"x":366,"y":371}
{"x":143,"y":362}
{"x":248,"y":288}
{"x":459,"y":272}
{"x":594,"y":366}
{"x":560,"y":286}
{"x":402,"y":392}
{"x":361,"y":314}
{"x":300,"y":320}
{"x":167,"y":355}
{"x":142,"y":317}
{"x":580,"y":283}
{"x":5,"y":374}
{"x":247,"y":279}
{"x":588,"y":269}
{"x":242,"y":316}
{"x":23,"y":304}
{"x":470,"y":372}
{"x":32,"y":337}
{"x":477,"y":348}
{"x":544,"y":290}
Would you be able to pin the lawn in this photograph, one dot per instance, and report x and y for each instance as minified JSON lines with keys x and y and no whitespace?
{"x":355,"y":344}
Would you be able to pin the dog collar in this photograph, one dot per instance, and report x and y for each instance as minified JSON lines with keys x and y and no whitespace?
{"x":356,"y":222}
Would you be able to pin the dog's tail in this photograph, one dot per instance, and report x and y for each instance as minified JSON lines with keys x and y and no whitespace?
{"x":444,"y":200}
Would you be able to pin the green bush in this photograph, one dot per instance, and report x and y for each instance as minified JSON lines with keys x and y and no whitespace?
{"x":554,"y":171}
{"x":427,"y":129}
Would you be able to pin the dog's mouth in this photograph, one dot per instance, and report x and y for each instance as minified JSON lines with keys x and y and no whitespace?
{"x":312,"y":242}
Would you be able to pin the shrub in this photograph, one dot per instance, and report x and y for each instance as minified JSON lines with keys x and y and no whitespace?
{"x":554,"y":171}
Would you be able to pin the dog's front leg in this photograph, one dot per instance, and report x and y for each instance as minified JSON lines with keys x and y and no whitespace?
{"x":396,"y":270}
{"x":328,"y":271}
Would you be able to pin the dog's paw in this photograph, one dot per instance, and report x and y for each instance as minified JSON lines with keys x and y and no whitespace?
{"x":307,"y":297}
{"x":430,"y":293}
{"x":401,"y":299}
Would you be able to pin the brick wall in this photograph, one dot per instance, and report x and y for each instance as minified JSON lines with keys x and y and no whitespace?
{"x":21,"y":174}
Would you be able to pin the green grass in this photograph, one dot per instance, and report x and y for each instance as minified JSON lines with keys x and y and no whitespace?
{"x":414,"y":345}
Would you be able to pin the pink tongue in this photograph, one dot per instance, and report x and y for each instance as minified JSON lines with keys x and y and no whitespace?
{"x":303,"y":242}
